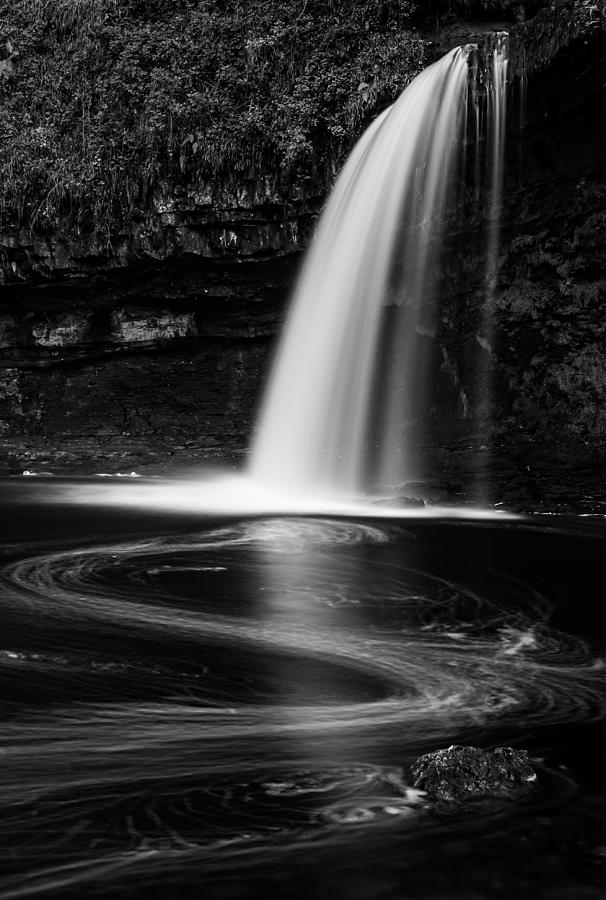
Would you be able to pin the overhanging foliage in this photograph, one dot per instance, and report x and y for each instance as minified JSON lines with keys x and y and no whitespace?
{"x":101,"y":100}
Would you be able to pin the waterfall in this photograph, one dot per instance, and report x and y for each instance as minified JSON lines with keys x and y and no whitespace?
{"x":349,"y":385}
{"x":496,"y":120}
{"x":496,"y":113}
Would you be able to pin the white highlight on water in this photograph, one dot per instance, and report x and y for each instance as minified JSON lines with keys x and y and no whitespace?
{"x":376,"y":246}
{"x":238,"y":495}
{"x":107,"y":787}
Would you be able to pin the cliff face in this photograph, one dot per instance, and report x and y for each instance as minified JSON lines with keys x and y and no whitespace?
{"x":134,"y":130}
{"x":136,"y":365}
{"x":542,"y":405}
{"x":221,"y":221}
{"x":165,"y":349}
{"x":550,"y":281}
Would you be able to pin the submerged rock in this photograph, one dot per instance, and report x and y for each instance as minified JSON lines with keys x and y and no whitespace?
{"x":460,"y":773}
{"x":398,"y":502}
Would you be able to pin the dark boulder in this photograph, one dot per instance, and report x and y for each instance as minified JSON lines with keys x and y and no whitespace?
{"x":460,"y":773}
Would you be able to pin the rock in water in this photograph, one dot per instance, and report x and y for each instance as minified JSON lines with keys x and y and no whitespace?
{"x":401,"y":502}
{"x":460,"y":773}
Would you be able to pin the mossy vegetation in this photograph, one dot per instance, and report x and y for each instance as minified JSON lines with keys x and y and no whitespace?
{"x":103,"y":100}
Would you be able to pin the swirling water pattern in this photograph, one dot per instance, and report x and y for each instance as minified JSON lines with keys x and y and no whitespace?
{"x":185,"y":705}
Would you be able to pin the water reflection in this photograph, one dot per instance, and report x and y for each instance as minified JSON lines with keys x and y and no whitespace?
{"x":202,"y":700}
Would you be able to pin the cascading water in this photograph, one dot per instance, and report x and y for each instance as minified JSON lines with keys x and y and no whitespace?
{"x":496,"y":113}
{"x":349,"y":384}
{"x":496,"y":121}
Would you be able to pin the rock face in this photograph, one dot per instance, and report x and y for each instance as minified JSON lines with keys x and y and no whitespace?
{"x":538,"y":31}
{"x":172,"y":355}
{"x":221,"y":222}
{"x":545,"y":355}
{"x":464,"y":773}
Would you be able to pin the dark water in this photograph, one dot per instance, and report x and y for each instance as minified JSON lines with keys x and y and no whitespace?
{"x":203,"y":706}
